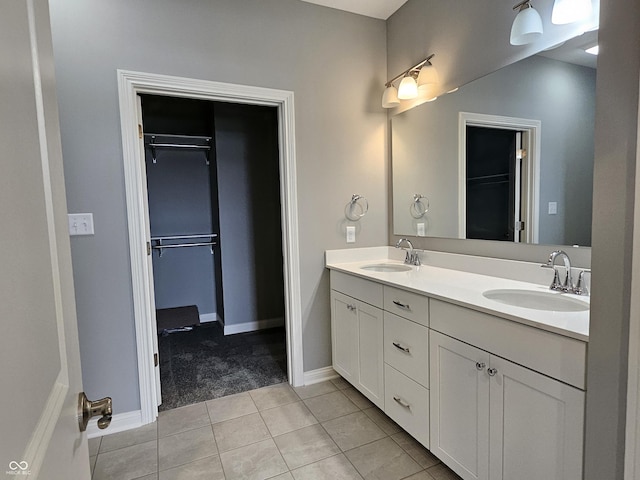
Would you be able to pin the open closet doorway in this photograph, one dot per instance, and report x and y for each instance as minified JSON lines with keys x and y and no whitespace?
{"x":213,"y":190}
{"x":131,"y":85}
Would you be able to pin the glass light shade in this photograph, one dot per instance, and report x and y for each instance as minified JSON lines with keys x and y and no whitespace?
{"x":408,"y":89}
{"x":428,"y":77}
{"x":427,"y":92}
{"x":390,"y":97}
{"x":569,"y":11}
{"x":527,"y":27}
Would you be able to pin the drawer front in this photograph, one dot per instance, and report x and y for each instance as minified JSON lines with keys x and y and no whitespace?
{"x":406,"y":347}
{"x":407,"y":403}
{"x":554,"y":355}
{"x":407,"y":305}
{"x":356,"y":287}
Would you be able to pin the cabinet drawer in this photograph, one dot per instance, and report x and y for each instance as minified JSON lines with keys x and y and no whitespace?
{"x":407,"y":403}
{"x":407,"y":304}
{"x":364,"y":290}
{"x":549,"y":353}
{"x":406,"y":347}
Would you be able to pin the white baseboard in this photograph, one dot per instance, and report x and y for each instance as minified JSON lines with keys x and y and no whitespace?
{"x":119,"y":423}
{"x":319,"y":375}
{"x":253,"y":326}
{"x":209,"y":317}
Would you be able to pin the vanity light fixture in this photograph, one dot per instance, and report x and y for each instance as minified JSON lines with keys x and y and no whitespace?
{"x":414,"y":83}
{"x":527,"y":26}
{"x":569,"y":11}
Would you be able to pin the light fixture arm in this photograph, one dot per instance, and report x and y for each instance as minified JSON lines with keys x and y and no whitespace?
{"x":523,"y":5}
{"x":413,"y":71}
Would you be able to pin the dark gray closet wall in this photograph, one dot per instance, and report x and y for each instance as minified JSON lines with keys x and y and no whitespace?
{"x":246,"y":140}
{"x":181,"y":202}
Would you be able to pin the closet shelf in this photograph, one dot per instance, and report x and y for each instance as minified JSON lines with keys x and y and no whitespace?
{"x":150,"y":141}
{"x":157,"y":242}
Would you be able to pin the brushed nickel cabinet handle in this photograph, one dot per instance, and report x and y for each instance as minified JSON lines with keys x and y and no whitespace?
{"x":401,"y":305}
{"x":401,"y":402}
{"x":400,"y":347}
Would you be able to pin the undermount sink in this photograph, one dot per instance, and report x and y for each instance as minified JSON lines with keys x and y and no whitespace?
{"x":537,"y":300}
{"x":386,"y":267}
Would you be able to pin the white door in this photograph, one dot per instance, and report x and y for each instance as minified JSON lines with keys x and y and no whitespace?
{"x":459,"y":406}
{"x":537,"y":425}
{"x":40,"y":375}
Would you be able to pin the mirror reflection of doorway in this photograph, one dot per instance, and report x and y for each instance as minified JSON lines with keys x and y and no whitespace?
{"x":493,"y":184}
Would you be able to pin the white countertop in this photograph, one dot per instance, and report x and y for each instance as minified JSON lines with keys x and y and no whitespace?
{"x":465,"y":289}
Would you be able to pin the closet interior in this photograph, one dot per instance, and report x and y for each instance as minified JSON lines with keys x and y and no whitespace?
{"x":213,"y":188}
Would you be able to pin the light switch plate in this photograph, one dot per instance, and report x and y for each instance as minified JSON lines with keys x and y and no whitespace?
{"x":351,"y":234}
{"x":81,"y":224}
{"x":553,"y":208}
{"x":420,"y":229}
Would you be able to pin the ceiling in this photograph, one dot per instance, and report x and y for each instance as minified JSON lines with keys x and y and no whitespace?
{"x":381,"y":9}
{"x":572,"y":51}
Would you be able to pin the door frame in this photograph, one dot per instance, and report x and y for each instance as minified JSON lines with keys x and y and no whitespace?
{"x":131,"y":84}
{"x":530,"y":185}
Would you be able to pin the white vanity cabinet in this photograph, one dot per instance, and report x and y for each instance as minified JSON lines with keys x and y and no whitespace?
{"x":494,"y":419}
{"x":357,"y":334}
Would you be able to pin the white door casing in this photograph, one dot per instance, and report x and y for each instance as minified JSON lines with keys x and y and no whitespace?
{"x":530,"y":188}
{"x":130,"y":84}
{"x":41,"y":379}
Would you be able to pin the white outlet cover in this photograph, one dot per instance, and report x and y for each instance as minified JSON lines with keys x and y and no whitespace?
{"x":351,"y":234}
{"x":80,"y":224}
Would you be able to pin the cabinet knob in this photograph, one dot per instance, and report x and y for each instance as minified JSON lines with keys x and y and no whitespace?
{"x":480,"y":365}
{"x":492,"y":371}
{"x":351,"y":307}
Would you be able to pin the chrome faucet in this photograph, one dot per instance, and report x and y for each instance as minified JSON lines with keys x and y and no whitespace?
{"x":567,"y":286}
{"x":412,"y":257}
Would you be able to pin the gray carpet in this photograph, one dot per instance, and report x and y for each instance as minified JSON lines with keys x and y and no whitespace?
{"x":204,"y":364}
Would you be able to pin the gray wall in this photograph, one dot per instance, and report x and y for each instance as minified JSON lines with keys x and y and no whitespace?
{"x":284,"y":44}
{"x":560,"y":95}
{"x":615,"y":191}
{"x":249,"y":198}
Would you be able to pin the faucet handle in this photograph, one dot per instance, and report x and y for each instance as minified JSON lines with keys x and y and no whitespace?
{"x":581,"y":288}
{"x":555,"y":284}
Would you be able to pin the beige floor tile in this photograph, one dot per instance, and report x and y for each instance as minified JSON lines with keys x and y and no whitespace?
{"x":423,"y":475}
{"x":94,"y":445}
{"x":143,"y":434}
{"x":182,"y":419}
{"x":92,"y":463}
{"x":127,"y":463}
{"x":186,"y":447}
{"x":340,"y":383}
{"x":258,"y":461}
{"x":273,"y":396}
{"x":305,"y":446}
{"x":353,"y":430}
{"x":233,"y":406}
{"x":240,"y":431}
{"x":314,"y":390}
{"x":153,"y":476}
{"x":382,"y":460}
{"x":332,"y":468}
{"x":387,"y":425}
{"x":209,"y":468}
{"x":331,"y":405}
{"x":442,"y":472}
{"x":415,"y":450}
{"x":284,"y":476}
{"x":357,"y":398}
{"x":288,"y":418}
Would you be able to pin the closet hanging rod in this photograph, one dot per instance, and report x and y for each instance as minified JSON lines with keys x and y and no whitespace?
{"x":180,"y":237}
{"x":189,"y":146}
{"x":181,"y":245}
{"x":171,"y":135}
{"x":180,"y":145}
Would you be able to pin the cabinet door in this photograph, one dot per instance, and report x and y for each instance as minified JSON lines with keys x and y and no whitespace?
{"x":344,"y":336}
{"x":459,"y":406}
{"x":536,"y":427}
{"x":370,"y":353}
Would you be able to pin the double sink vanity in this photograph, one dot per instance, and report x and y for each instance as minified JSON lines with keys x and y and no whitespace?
{"x":484,"y":369}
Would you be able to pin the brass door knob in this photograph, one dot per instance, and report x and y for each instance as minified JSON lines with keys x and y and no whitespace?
{"x":88,"y":409}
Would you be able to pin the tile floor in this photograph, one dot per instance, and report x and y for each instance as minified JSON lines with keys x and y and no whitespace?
{"x":323,"y":431}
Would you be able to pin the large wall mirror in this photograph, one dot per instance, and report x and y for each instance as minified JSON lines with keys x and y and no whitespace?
{"x":506,"y":157}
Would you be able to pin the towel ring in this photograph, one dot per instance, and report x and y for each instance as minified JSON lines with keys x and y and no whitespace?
{"x":419,"y":206}
{"x":356,"y":208}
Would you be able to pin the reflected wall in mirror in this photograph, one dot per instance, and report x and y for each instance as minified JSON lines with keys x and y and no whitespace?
{"x":549,"y":108}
